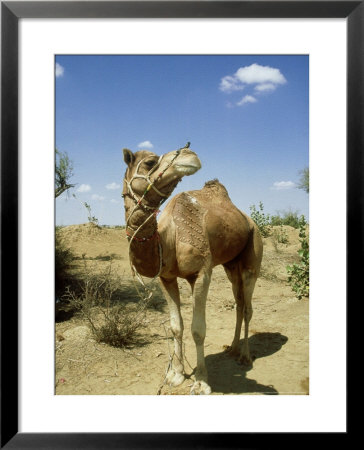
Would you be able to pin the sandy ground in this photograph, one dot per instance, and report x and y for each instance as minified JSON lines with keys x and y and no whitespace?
{"x":278,"y":332}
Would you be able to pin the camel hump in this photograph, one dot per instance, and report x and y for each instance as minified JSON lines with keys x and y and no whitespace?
{"x":214,"y":187}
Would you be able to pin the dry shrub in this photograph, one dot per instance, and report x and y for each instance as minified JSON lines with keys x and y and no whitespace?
{"x":118,"y":325}
{"x":63,"y":260}
{"x":110,"y":321}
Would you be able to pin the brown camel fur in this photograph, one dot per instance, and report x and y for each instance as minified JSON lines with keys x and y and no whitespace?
{"x":196,"y":231}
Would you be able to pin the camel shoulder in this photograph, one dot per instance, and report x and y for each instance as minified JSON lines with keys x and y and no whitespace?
{"x":169,"y":212}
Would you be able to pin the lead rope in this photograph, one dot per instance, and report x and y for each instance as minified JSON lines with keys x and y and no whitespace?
{"x":148,"y":293}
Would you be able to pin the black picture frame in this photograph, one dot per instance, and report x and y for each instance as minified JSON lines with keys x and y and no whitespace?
{"x":11,"y":12}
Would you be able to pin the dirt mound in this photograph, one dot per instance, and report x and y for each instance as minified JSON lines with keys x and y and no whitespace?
{"x":85,"y":229}
{"x":94,"y":242}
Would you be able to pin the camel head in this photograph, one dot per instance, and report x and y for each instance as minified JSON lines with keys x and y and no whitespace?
{"x":153,"y":178}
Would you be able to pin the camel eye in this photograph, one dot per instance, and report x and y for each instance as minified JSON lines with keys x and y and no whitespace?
{"x":150,"y":163}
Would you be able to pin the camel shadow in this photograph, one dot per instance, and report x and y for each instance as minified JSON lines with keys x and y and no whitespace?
{"x":227,"y":376}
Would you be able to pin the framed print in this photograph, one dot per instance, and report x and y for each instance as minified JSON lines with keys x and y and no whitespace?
{"x":287,"y":78}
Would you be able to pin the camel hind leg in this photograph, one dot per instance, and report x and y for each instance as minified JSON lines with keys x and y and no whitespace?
{"x":233,"y":272}
{"x":249,"y":280}
{"x":243,"y":283}
{"x":243,"y":272}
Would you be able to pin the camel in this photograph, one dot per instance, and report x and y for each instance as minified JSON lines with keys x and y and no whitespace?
{"x":197,"y":231}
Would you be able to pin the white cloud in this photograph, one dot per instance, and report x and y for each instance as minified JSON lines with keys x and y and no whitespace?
{"x":265,"y":87}
{"x":247,"y":99}
{"x":97,"y":197}
{"x":112,"y":186}
{"x":283,"y":185}
{"x":145,"y":144}
{"x":59,"y":70}
{"x":256,"y":74}
{"x":113,"y":201}
{"x":229,"y":84}
{"x":265,"y":79}
{"x":84,"y":188}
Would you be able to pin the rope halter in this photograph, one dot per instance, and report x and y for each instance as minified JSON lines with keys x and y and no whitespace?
{"x":151,"y":184}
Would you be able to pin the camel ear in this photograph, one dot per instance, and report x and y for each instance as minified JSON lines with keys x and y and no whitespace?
{"x":129,"y":157}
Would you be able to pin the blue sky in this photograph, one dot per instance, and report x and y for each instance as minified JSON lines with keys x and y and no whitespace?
{"x":246,"y":116}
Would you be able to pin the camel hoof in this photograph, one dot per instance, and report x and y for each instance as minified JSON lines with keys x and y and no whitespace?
{"x":174,"y":378}
{"x":200,"y":388}
{"x":231,"y":351}
{"x":245,"y":361}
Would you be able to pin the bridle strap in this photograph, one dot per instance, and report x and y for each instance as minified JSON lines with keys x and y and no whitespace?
{"x":146,"y":177}
{"x":139,"y":200}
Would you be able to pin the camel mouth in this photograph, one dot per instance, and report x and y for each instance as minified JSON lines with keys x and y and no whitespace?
{"x":187,"y":168}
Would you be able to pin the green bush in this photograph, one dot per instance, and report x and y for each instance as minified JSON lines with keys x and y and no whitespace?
{"x":290,"y":218}
{"x":299,"y":273}
{"x":262,"y":220}
{"x":279,"y":236}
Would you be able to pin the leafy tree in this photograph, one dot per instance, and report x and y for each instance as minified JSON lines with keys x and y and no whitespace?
{"x":63,"y":173}
{"x":304,"y":182}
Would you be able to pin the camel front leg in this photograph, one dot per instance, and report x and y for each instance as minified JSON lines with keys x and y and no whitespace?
{"x":175,"y":376}
{"x":198,"y":328}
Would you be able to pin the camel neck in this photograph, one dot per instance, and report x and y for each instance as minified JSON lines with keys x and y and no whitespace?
{"x":144,"y":247}
{"x":140,"y":223}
